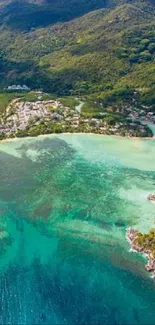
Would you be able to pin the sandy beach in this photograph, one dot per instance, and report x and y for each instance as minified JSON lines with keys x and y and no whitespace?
{"x":79,"y":133}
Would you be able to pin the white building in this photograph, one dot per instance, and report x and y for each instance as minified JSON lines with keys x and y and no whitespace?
{"x":18,"y":87}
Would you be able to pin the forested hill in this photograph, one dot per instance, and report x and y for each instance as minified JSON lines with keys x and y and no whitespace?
{"x":97,"y":48}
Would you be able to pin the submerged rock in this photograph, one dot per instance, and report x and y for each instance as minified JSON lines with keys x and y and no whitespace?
{"x":151,"y":197}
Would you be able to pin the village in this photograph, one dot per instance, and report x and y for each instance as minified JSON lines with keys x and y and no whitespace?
{"x":22,"y":115}
{"x":24,"y":118}
{"x":144,"y":113}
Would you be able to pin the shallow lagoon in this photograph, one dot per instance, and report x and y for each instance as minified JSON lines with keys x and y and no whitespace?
{"x":65,"y":203}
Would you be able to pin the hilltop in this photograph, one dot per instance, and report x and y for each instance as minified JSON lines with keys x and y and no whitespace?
{"x":27,"y":14}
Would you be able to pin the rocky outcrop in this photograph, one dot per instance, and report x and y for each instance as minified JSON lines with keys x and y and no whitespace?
{"x":132,"y":236}
{"x":151,"y":197}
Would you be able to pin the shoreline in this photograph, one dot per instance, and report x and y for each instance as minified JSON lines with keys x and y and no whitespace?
{"x":131,"y":236}
{"x":78,"y":133}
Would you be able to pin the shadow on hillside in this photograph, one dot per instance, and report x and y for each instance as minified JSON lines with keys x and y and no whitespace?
{"x":36,"y":77}
{"x":25,"y":16}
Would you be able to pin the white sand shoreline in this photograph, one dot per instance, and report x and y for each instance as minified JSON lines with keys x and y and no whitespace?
{"x":70,"y":133}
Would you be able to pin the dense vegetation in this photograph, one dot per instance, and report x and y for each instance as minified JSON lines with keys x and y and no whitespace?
{"x":105,"y":54}
{"x":147,"y":241}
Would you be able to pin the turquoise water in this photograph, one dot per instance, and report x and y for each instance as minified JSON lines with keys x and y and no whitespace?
{"x":65,"y":203}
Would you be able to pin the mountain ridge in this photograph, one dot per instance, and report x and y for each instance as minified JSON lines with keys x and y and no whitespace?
{"x":25,"y":14}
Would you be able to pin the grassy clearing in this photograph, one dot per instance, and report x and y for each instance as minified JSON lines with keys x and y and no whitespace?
{"x":33,"y":96}
{"x":5,"y":99}
{"x":90,"y":108}
{"x":69,"y":101}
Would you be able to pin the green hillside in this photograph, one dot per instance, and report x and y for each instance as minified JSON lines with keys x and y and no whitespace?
{"x":105,"y":54}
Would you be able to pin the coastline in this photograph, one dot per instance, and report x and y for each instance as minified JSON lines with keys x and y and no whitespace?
{"x":68,"y":121}
{"x":131,"y":236}
{"x":71,"y":133}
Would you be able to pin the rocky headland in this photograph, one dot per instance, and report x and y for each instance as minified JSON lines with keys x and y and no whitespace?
{"x":143,"y":243}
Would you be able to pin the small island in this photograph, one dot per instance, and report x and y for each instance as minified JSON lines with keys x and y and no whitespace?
{"x":143,"y":243}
